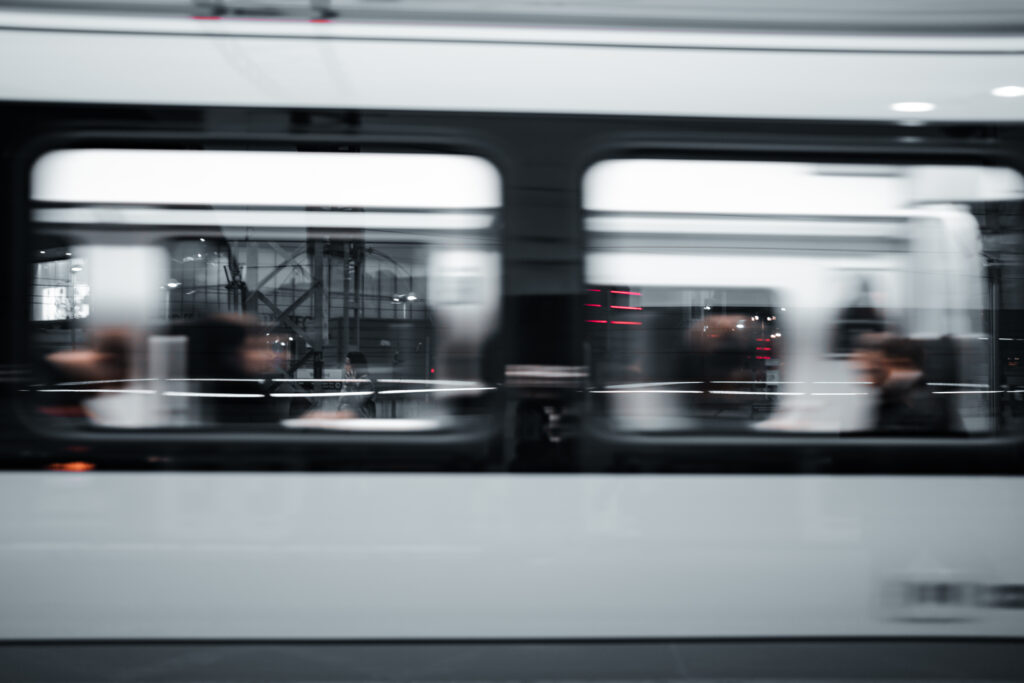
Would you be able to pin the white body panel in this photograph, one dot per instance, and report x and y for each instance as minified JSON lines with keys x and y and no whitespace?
{"x":222,"y":63}
{"x":315,"y":555}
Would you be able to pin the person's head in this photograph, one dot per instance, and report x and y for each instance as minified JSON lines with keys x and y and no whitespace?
{"x":881,"y":355}
{"x":227,"y":346}
{"x":355,"y":363}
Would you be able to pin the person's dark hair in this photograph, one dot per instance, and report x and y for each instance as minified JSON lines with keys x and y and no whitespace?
{"x":358,"y":362}
{"x":214,"y":347}
{"x":904,"y":350}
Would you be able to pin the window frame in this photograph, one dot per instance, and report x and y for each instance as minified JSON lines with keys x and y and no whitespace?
{"x":607,"y":449}
{"x":469,"y":449}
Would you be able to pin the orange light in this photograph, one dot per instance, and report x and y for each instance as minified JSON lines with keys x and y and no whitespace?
{"x":75,"y":466}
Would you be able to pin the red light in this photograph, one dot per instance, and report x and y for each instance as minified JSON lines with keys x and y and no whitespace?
{"x":593,"y":290}
{"x":77,"y":466}
{"x":619,"y":291}
{"x":628,"y":308}
{"x":763,"y":357}
{"x":431,"y":371}
{"x":762,"y":340}
{"x":595,"y":305}
{"x":762,"y":348}
{"x":624,"y":322}
{"x":597,"y":321}
{"x":319,"y":21}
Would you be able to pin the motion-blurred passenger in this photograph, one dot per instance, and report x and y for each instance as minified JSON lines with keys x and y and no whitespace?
{"x":231,"y":362}
{"x":895,"y":365}
{"x":105,"y":361}
{"x":718,"y":350}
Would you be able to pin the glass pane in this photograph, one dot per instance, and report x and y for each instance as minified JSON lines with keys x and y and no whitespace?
{"x":803,"y":297}
{"x":351,"y":292}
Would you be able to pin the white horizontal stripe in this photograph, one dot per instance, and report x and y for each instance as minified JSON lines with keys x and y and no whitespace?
{"x":444,"y":382}
{"x":203,"y":394}
{"x":253,"y":178}
{"x":362,"y":424}
{"x":761,"y":393}
{"x":758,"y":381}
{"x":317,"y":394}
{"x":341,"y":380}
{"x":649,"y":384}
{"x":839,"y":393}
{"x":270,"y":219}
{"x":431,"y":391}
{"x":990,"y":391}
{"x":647,"y":391}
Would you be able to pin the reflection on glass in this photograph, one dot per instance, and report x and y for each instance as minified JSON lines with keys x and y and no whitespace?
{"x":370,"y":312}
{"x":799,"y":297}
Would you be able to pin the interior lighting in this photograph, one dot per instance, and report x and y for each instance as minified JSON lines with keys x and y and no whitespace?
{"x":707,"y":308}
{"x":76,"y":269}
{"x":173,"y":284}
{"x":1008,"y":91}
{"x":42,"y":251}
{"x":202,"y":239}
{"x":67,"y":253}
{"x":912,"y":107}
{"x":76,"y":466}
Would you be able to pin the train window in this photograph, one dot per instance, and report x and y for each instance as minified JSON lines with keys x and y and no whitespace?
{"x":340,"y":291}
{"x":727,"y":296}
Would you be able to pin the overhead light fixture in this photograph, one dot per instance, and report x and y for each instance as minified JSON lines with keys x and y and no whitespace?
{"x":1008,"y":91}
{"x":76,"y":269}
{"x":912,"y":107}
{"x":172,"y":283}
{"x":404,"y":298}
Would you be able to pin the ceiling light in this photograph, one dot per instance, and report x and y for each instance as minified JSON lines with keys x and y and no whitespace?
{"x":1008,"y":91}
{"x":912,"y":107}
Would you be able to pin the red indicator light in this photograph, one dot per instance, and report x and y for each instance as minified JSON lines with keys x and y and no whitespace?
{"x":431,"y":371}
{"x":77,"y":466}
{"x":624,"y":322}
{"x":628,"y":308}
{"x":620,"y":291}
{"x":762,"y":348}
{"x":762,"y":340}
{"x":597,"y":321}
{"x":593,"y":290}
{"x":595,"y":305}
{"x":763,"y":357}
